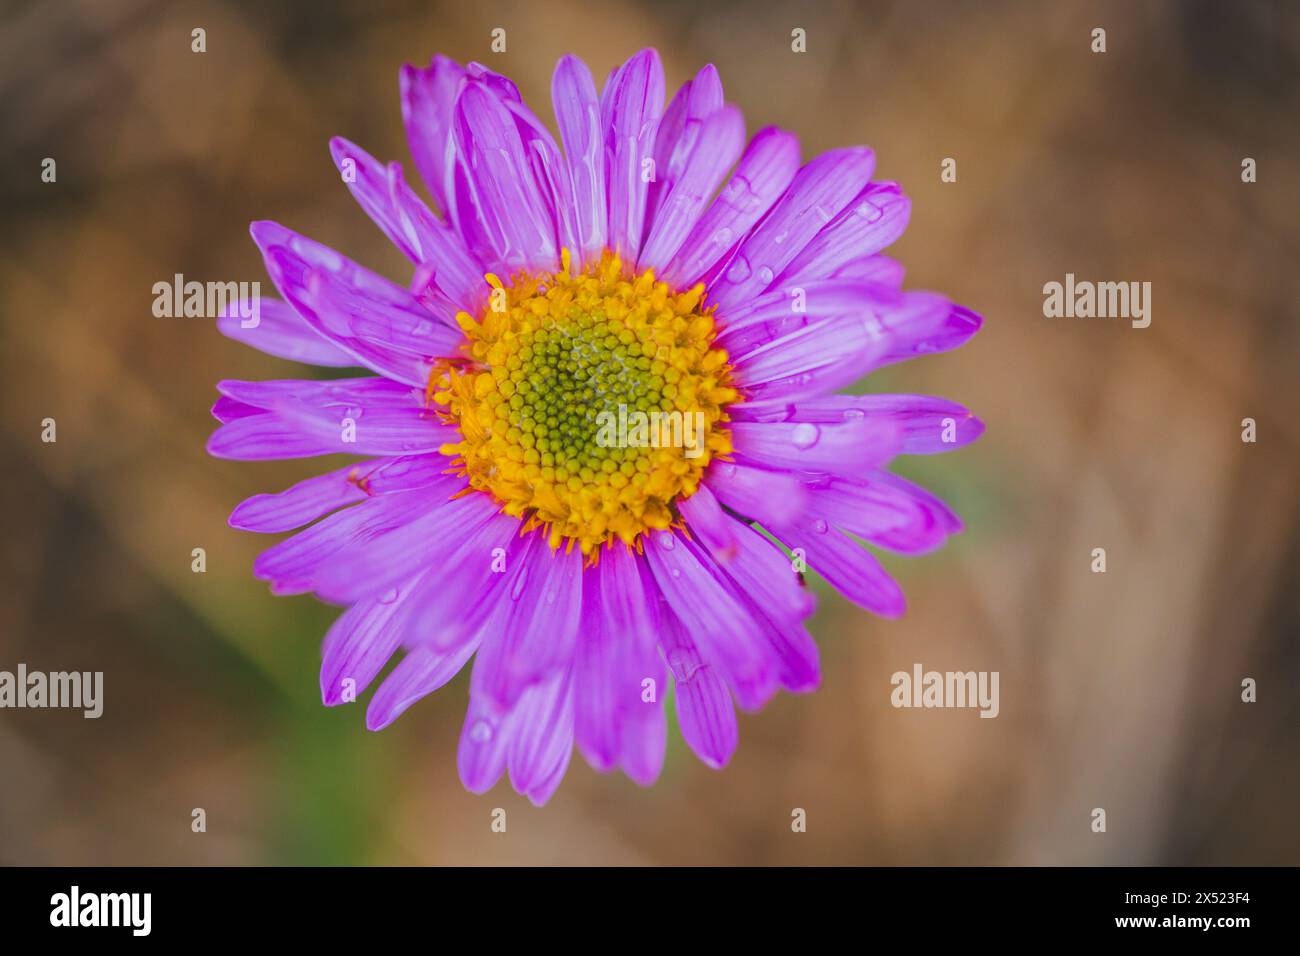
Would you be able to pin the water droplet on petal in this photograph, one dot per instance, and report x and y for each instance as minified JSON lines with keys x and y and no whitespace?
{"x":820,"y":526}
{"x":854,"y":414}
{"x":480,"y":732}
{"x":389,"y":596}
{"x":765,"y":275}
{"x":739,"y":270}
{"x":667,"y":540}
{"x":805,"y":435}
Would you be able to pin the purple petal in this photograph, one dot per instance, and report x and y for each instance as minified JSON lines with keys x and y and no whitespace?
{"x":301,"y":504}
{"x":765,"y":170}
{"x":535,"y":627}
{"x":679,"y":130}
{"x":705,"y":712}
{"x":280,"y":331}
{"x":756,"y":492}
{"x":926,"y":422}
{"x":421,"y":672}
{"x":634,"y":101}
{"x":851,"y":569}
{"x":848,"y":448}
{"x":721,"y":138}
{"x":706,"y":610}
{"x":515,"y":229}
{"x":367,"y":392}
{"x":360,"y":643}
{"x":383,"y":558}
{"x":454,"y":604}
{"x":875,"y":218}
{"x":427,"y":99}
{"x":226,"y":409}
{"x":888,"y":512}
{"x":820,"y":190}
{"x":481,"y":756}
{"x":879,"y":269}
{"x":292,"y":563}
{"x":541,"y":738}
{"x":616,"y":653}
{"x":577,"y":112}
{"x":407,"y":222}
{"x":645,"y":737}
{"x":754,"y":563}
{"x":331,"y":292}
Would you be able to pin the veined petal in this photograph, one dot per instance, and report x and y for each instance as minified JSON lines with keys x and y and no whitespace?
{"x":541,"y":738}
{"x":928,"y":425}
{"x":515,"y":229}
{"x":616,"y":653}
{"x":535,"y":627}
{"x":577,"y":112}
{"x":757,"y":492}
{"x":820,"y":190}
{"x":407,"y":222}
{"x":678,"y":132}
{"x":633,"y":102}
{"x":280,"y":331}
{"x":721,"y":138}
{"x":359,"y":644}
{"x":481,"y":755}
{"x":421,"y":672}
{"x":875,"y":218}
{"x":330,"y":291}
{"x":717,"y":622}
{"x":427,"y":98}
{"x":705,"y":712}
{"x":317,"y":496}
{"x":850,"y":568}
{"x":767,"y":167}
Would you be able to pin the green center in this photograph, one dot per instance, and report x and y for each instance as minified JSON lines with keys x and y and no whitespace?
{"x":563,"y":376}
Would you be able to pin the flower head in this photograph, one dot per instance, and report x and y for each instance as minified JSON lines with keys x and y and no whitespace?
{"x":607,"y":389}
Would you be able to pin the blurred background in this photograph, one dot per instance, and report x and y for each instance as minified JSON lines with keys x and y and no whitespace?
{"x":1119,"y":690}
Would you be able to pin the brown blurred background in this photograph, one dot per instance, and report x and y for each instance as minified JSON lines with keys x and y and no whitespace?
{"x":1118,"y":690}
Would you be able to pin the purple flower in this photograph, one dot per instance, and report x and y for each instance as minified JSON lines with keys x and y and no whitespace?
{"x":612,"y":365}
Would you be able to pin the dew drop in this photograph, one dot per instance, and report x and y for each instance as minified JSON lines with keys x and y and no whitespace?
{"x":739,"y":270}
{"x":389,"y":596}
{"x":480,"y":732}
{"x":765,"y":275}
{"x":805,"y":435}
{"x":667,"y":540}
{"x":820,"y":526}
{"x":869,"y":210}
{"x":854,"y":414}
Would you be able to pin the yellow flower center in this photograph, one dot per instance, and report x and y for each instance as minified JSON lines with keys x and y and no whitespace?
{"x":588,"y":403}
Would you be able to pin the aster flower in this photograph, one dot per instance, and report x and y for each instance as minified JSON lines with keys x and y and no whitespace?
{"x":619,"y":270}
